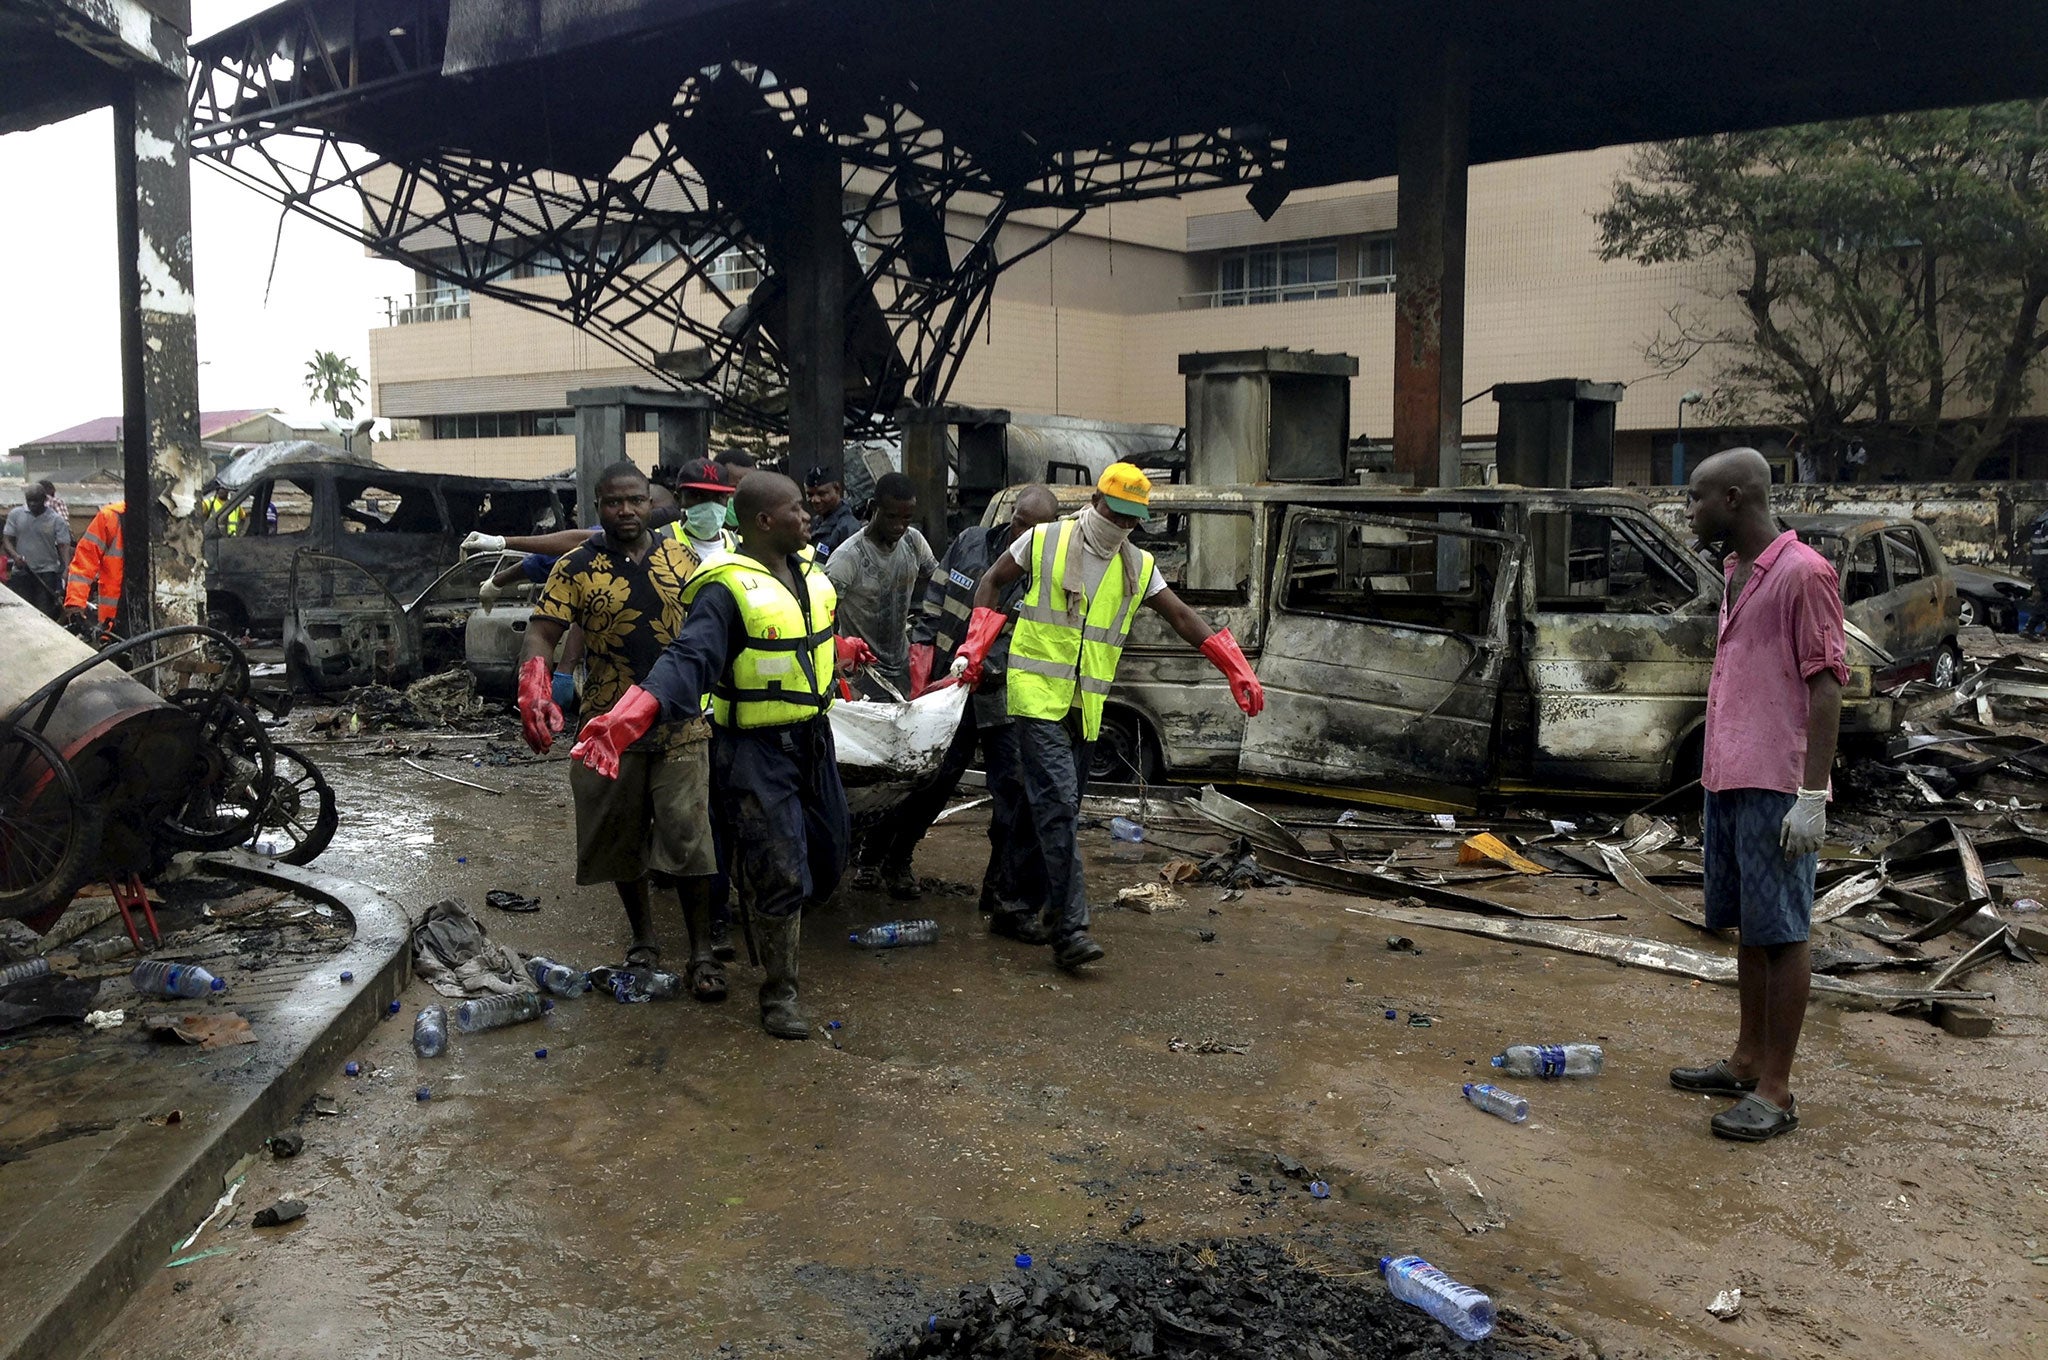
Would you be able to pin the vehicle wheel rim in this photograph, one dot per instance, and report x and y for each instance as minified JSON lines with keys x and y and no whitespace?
{"x":1966,"y":614}
{"x":1945,"y":670}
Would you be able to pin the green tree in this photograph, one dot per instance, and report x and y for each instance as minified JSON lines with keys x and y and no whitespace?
{"x":334,"y":383}
{"x":1879,"y":280}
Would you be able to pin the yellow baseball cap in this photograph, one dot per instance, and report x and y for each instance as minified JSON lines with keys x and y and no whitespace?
{"x":1128,"y":491}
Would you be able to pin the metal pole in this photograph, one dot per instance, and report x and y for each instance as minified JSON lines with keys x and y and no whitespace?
{"x":1678,"y":448}
{"x":135,"y":614}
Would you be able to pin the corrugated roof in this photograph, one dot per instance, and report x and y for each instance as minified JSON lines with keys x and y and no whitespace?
{"x":107,"y":429}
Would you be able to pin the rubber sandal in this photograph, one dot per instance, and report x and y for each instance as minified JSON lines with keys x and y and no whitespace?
{"x":707,"y":980}
{"x":1753,"y":1119}
{"x":1714,"y":1080}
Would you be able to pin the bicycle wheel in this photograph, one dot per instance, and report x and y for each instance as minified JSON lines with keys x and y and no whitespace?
{"x":232,"y":779}
{"x":48,"y":833}
{"x":299,"y":817}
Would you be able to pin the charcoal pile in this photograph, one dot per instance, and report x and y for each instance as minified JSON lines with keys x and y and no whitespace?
{"x":1246,"y":1296}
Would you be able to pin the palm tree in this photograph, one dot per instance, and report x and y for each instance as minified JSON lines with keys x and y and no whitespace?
{"x":334,"y":382}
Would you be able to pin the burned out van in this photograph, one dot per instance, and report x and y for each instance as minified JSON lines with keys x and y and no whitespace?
{"x":1425,"y":648}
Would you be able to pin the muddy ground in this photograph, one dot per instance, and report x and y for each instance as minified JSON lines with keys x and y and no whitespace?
{"x":669,"y":1181}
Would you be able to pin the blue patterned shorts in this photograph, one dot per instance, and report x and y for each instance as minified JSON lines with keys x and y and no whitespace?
{"x":1750,"y":884}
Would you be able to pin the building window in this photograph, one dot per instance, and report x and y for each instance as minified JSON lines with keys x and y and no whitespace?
{"x":1299,"y":272}
{"x":734,"y":270}
{"x":503,"y":425}
{"x":1375,"y":264}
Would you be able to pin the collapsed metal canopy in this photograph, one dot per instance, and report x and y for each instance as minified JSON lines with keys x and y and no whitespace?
{"x":603,"y":134}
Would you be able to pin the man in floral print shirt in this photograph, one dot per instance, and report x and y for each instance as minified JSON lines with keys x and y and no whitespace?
{"x":625,"y":589}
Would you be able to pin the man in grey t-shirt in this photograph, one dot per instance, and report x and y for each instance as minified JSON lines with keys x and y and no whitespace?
{"x":38,"y":540}
{"x":879,"y":573}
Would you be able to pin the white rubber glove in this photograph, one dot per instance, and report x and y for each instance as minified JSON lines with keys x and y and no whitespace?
{"x":487,"y":594}
{"x":958,"y":668}
{"x":483,"y":543}
{"x":1806,"y":825}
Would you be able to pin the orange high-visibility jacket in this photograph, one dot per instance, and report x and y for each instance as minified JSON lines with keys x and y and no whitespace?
{"x":95,"y":576}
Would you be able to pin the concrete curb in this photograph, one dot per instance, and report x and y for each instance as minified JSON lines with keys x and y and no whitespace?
{"x":302,"y":1047}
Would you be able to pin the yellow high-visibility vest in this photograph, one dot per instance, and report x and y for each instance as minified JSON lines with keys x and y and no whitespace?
{"x":1064,"y":644}
{"x":784,"y":674}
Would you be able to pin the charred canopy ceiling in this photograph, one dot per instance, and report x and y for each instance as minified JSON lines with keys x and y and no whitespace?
{"x":629,"y":144}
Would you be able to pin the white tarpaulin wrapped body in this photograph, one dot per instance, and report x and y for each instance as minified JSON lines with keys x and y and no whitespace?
{"x":891,"y":742}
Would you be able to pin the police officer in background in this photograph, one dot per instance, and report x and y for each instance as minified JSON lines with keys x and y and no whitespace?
{"x":1084,"y":582}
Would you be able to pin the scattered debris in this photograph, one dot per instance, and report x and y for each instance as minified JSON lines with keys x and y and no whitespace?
{"x":1486,"y":846}
{"x":106,"y":1020}
{"x":282,"y":1212}
{"x":214,"y":1029}
{"x":412,"y":764}
{"x":1464,"y":1200}
{"x":286,"y":1145}
{"x":504,"y":899}
{"x":51,"y":996}
{"x":1179,"y":871}
{"x":452,"y":952}
{"x":1150,"y":898}
{"x":1180,"y":1045}
{"x":1727,"y":1305}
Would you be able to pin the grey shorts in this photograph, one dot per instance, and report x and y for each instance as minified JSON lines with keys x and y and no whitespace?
{"x":655,"y":817}
{"x":1750,"y":884}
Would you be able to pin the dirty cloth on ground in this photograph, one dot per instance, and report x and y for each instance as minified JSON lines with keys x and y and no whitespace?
{"x":49,"y":997}
{"x":451,"y":951}
{"x":876,"y":588}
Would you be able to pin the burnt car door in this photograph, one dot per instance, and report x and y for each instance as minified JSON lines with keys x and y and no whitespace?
{"x":249,"y":546}
{"x":1383,"y":656}
{"x":1617,"y":649}
{"x":1916,"y":606}
{"x":343,"y":628}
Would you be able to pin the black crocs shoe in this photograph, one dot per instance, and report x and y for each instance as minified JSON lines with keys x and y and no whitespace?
{"x":1713,"y":1080}
{"x":1753,"y":1119}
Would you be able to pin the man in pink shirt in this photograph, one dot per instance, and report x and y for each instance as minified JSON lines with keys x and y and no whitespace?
{"x":1773,"y":708}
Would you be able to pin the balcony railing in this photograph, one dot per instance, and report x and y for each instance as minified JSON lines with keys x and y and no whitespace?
{"x":1290,"y":292}
{"x":436,"y":304}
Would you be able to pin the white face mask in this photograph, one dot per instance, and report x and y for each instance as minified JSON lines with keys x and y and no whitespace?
{"x":1101,"y":534}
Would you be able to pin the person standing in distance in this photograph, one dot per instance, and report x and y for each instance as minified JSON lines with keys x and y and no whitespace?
{"x":1774,"y":707}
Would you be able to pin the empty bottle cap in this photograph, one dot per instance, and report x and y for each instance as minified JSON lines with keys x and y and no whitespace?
{"x":540,"y":1053}
{"x":351,"y":1069}
{"x":347,"y":976}
{"x":1023,"y":1260}
{"x":1500,"y":1060}
{"x":1319,"y":1189}
{"x":423,"y":1094}
{"x":393,"y":1009}
{"x":217,"y":985}
{"x":1393,"y":1014}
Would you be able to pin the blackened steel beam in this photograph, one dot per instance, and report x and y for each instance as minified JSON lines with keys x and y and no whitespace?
{"x":1429,"y":264}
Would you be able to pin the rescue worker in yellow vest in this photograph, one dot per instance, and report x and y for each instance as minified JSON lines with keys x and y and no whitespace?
{"x":1086,"y":581}
{"x":92,"y":587}
{"x":759,"y":639}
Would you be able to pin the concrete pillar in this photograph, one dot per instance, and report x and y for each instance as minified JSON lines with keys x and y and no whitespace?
{"x":816,"y":333}
{"x":1429,"y":259}
{"x":924,"y":462}
{"x":600,"y":442}
{"x":162,"y":466}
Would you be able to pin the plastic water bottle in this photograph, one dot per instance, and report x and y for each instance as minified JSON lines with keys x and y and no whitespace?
{"x":188,"y":980}
{"x":1459,"y":1307}
{"x":1124,"y":829}
{"x":23,"y":971}
{"x":1493,"y":1100}
{"x":490,"y":1012}
{"x":1551,"y":1061}
{"x":558,"y":978}
{"x":896,"y":934}
{"x":430,"y":1031}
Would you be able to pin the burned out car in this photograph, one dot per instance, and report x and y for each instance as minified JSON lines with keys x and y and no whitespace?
{"x":1427,"y":648}
{"x":405,"y":528}
{"x":345,"y":627}
{"x":1897,"y":597}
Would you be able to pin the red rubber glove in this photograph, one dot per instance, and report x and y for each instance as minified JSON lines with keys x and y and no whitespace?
{"x":984,"y":626}
{"x":538,"y":712}
{"x":1224,"y":653}
{"x":602,"y":739}
{"x":854,"y":653}
{"x":920,"y":667}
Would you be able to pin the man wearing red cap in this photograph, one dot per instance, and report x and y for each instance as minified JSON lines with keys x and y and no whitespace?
{"x":1083,"y":584}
